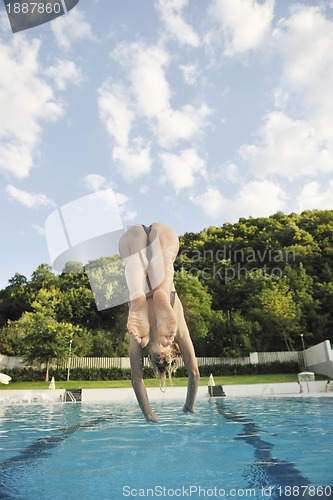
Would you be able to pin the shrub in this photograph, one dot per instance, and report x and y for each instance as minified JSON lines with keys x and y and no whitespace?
{"x":32,"y":375}
{"x":255,"y":369}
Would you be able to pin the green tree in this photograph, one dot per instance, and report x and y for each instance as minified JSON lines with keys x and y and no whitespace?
{"x":230,"y":334}
{"x":196,"y":302}
{"x":324,"y":294}
{"x":280,"y":314}
{"x":14,"y":299}
{"x":43,"y":277}
{"x":42,"y":337}
{"x":107,"y":279}
{"x":230,"y":307}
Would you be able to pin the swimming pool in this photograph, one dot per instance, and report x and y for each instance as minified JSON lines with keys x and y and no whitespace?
{"x":236,"y":448}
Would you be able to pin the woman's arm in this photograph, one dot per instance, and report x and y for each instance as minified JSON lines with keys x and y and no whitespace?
{"x":190,"y":361}
{"x":138,"y":385}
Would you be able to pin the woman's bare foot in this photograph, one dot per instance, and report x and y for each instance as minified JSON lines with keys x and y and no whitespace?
{"x":137,"y":322}
{"x":165,"y":318}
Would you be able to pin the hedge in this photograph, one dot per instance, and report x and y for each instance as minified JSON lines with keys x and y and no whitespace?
{"x":250,"y":369}
{"x":30,"y":374}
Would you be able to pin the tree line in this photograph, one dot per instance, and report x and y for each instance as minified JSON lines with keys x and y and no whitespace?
{"x":260,"y":284}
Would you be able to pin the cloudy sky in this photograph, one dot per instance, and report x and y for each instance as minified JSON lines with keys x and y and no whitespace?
{"x":194,"y":112}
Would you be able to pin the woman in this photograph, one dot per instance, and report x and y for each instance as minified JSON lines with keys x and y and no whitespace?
{"x":156,"y":316}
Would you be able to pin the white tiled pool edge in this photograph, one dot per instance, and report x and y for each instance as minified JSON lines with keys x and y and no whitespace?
{"x":113,"y":395}
{"x":288,"y":388}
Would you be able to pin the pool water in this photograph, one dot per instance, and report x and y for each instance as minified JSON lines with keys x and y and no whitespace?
{"x":257,"y":448}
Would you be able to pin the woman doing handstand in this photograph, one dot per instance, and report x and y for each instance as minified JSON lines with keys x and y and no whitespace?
{"x":156,"y":316}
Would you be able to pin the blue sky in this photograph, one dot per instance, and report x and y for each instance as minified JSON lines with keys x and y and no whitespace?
{"x":194,"y":113}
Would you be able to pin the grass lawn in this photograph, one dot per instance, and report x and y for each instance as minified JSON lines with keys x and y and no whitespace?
{"x":177,"y":382}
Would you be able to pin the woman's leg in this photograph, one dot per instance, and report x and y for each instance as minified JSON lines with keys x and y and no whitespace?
{"x":164,"y":245}
{"x":132,"y":248}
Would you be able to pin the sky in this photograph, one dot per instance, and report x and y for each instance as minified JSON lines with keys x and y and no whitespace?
{"x":195,"y":113}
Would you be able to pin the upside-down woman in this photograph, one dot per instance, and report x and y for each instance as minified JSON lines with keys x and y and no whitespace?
{"x":156,"y":317}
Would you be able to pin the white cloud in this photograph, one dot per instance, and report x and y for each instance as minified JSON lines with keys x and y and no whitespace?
{"x":5,"y":28}
{"x":304,"y":41}
{"x":181,"y":124}
{"x":147,"y":98}
{"x":146,"y":71}
{"x":134,"y":161}
{"x":28,"y":199}
{"x":313,"y":196}
{"x":64,"y":72}
{"x":144,"y":189}
{"x":16,"y":158}
{"x":115,"y":112}
{"x":125,"y":209}
{"x":40,"y":230}
{"x":259,"y":199}
{"x":190,"y":73}
{"x":70,"y":28}
{"x":212,"y":202}
{"x":96,"y":183}
{"x":244,"y":23}
{"x":256,"y":199}
{"x":25,"y":102}
{"x":182,"y":170}
{"x":132,"y":154}
{"x":232,"y":173}
{"x":171,"y":14}
{"x":224,"y":174}
{"x":297,"y":136}
{"x":288,"y":147}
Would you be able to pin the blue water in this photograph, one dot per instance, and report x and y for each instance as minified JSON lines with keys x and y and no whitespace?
{"x":230,"y":448}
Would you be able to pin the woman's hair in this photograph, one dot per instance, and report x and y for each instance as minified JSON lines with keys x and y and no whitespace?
{"x":166,"y":365}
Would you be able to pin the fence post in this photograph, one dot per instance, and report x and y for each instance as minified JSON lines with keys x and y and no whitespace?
{"x":254,"y":358}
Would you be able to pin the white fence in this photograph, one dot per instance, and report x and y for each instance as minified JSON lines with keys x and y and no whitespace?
{"x":283,"y":357}
{"x":10,"y":362}
{"x":7,"y":362}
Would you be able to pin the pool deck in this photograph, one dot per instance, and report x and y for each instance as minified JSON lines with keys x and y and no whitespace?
{"x":313,"y":389}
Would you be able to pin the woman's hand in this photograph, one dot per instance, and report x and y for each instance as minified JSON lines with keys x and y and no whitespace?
{"x":188,"y":410}
{"x":152,"y":417}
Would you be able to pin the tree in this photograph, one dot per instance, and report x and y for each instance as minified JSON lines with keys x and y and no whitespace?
{"x":280,"y":314}
{"x":233,"y":300}
{"x":325,"y":313}
{"x":43,"y":277}
{"x":73,"y":267}
{"x":230,"y":334}
{"x":76,"y":305}
{"x":114,"y":343}
{"x":107,"y":279}
{"x":15,"y":299}
{"x":42,"y":337}
{"x":196,"y":302}
{"x":302,"y":286}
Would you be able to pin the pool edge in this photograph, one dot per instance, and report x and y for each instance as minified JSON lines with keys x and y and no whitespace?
{"x":315,"y":389}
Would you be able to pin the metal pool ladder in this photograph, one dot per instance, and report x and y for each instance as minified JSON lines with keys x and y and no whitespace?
{"x":73,"y":395}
